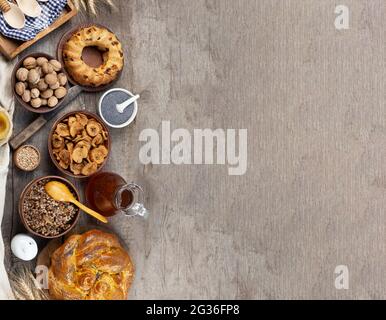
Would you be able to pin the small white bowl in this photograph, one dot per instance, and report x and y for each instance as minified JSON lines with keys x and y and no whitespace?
{"x":130,"y":120}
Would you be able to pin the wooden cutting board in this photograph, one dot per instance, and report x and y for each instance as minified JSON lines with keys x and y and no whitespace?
{"x":11,"y":48}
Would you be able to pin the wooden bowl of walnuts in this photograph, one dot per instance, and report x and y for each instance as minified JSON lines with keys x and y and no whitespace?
{"x":79,"y":144}
{"x":39,"y":83}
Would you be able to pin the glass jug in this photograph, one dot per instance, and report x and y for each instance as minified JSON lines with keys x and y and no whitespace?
{"x":109,"y":194}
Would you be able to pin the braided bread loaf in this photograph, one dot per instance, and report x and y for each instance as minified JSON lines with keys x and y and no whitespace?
{"x":92,"y":266}
{"x":107,"y":43}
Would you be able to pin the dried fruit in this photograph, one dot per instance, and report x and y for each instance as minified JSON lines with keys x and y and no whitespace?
{"x":83,"y":144}
{"x":93,"y":128}
{"x":70,"y":147}
{"x":75,"y":129}
{"x":89,"y":168}
{"x":78,"y":155}
{"x":63,"y":164}
{"x":57,"y":141}
{"x":62,"y":130}
{"x":98,"y":139}
{"x":71,"y":120}
{"x":82,"y":118}
{"x":96,"y":155}
{"x":103,"y":150}
{"x":87,"y":151}
{"x":76,"y":168}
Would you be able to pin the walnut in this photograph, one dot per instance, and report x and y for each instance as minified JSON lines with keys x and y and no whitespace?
{"x":36,"y":103}
{"x":40,"y":61}
{"x":53,"y":101}
{"x":30,"y":63}
{"x":47,"y":94}
{"x":35,"y":93}
{"x":60,"y":92}
{"x":20,"y":88}
{"x":51,"y":79}
{"x":22,"y":74}
{"x":33,"y":76}
{"x":47,"y":68}
{"x":40,"y":71}
{"x":55,"y":86}
{"x":26,"y":96}
{"x":56,"y":65}
{"x":44,"y":102}
{"x":42,"y":85}
{"x":62,"y":78}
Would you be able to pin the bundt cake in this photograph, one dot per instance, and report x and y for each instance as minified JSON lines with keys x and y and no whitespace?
{"x":107,"y":43}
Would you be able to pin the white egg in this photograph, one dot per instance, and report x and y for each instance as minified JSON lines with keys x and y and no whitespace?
{"x":24,"y":247}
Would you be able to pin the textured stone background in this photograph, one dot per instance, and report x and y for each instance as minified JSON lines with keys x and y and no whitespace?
{"x":313,"y":101}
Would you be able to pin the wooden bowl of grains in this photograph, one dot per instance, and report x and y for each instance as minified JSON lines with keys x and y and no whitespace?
{"x":27,"y":158}
{"x":42,"y":215}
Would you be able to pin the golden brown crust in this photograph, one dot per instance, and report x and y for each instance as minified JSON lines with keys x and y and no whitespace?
{"x":107,"y":42}
{"x":92,"y":266}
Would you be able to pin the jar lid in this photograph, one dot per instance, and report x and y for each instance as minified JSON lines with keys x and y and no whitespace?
{"x":108,"y":108}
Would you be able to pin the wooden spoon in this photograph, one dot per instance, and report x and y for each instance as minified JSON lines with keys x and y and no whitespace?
{"x":59,"y":192}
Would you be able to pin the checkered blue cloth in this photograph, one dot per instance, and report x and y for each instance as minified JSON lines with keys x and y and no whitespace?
{"x":51,"y":10}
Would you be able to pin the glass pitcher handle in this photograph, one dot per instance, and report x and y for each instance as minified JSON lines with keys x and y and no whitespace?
{"x":138,"y":208}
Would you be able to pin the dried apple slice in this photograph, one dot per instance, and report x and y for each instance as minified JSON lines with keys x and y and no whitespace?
{"x":98,"y":139}
{"x":78,"y":155}
{"x":75,"y":129}
{"x":76,"y":168}
{"x":82,"y":119}
{"x":62,"y":130}
{"x":103,"y":150}
{"x":96,"y":155}
{"x":57,"y":141}
{"x":90,"y":168}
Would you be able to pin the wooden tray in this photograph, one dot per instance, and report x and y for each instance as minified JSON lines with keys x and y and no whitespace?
{"x":10,"y":48}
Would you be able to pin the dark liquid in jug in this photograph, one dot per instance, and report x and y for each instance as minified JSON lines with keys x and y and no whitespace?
{"x":102,"y":194}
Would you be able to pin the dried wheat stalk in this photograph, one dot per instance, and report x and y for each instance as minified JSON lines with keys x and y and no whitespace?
{"x":24,"y":287}
{"x":93,"y":6}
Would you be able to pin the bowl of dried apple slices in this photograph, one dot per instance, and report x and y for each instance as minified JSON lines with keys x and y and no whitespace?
{"x":79,"y":144}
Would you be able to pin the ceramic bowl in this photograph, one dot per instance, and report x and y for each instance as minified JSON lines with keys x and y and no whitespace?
{"x":50,"y":149}
{"x":43,"y":109}
{"x":28,"y":188}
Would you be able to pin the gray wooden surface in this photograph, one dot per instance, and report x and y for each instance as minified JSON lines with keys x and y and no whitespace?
{"x":313,"y":101}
